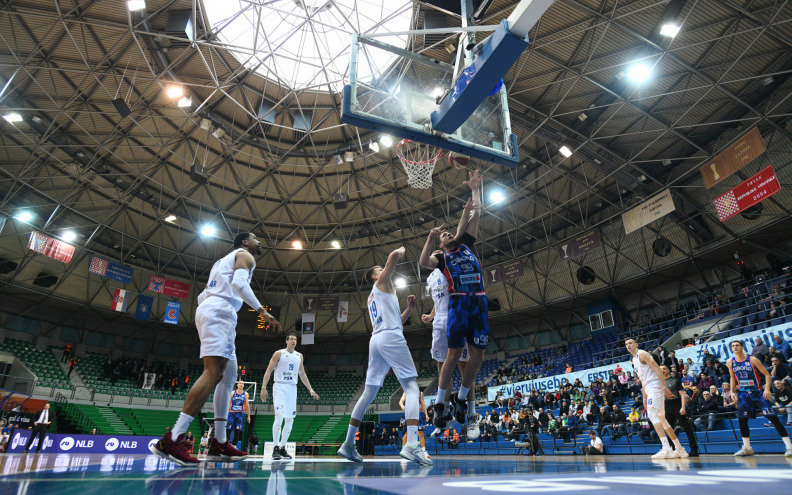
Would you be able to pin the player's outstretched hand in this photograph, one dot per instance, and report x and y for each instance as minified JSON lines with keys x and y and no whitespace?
{"x":436,"y":231}
{"x":274,"y":324}
{"x":475,"y":180}
{"x":400,"y":251}
{"x":314,"y":395}
{"x":426,"y":318}
{"x":412,"y":301}
{"x":264,"y":395}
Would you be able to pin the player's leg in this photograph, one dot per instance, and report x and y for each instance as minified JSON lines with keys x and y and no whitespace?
{"x":475,"y":330}
{"x":457,"y":323}
{"x":220,"y":448}
{"x":375,"y":376}
{"x":745,"y":410}
{"x":290,"y":410}
{"x":770,"y":413}
{"x":655,"y":408}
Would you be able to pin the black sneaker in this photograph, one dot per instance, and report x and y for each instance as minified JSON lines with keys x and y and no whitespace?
{"x":439,"y":416}
{"x":693,"y":453}
{"x":276,"y":455}
{"x":284,"y":454}
{"x":458,"y":409}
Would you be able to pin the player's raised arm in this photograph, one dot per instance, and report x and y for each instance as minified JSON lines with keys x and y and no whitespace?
{"x":427,"y":260}
{"x":384,"y":280}
{"x":472,"y":211}
{"x":412,"y":301}
{"x":304,"y":379}
{"x":270,"y":367}
{"x":243,"y":264}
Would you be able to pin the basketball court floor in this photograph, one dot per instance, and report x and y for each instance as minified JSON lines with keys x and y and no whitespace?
{"x":461,"y":475}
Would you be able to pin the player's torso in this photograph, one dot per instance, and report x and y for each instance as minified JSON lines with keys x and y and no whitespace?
{"x":645,"y":372}
{"x":463,"y":272}
{"x":438,"y":285}
{"x":384,"y":311}
{"x":288,"y":368}
{"x":220,"y":278}
{"x":747,"y":377}
{"x":238,"y":402}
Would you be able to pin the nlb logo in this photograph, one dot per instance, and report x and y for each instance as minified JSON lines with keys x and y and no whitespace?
{"x":152,"y":442}
{"x":16,"y":440}
{"x":111,"y":444}
{"x":66,"y":443}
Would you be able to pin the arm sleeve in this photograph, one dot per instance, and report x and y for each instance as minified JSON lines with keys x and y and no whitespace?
{"x":242,"y":287}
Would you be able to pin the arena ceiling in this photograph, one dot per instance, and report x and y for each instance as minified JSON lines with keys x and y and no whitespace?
{"x":268,"y":139}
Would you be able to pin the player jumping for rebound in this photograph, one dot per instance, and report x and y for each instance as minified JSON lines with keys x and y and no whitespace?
{"x":654,"y":393}
{"x":216,"y":317}
{"x":388,"y":349}
{"x":240,"y":407}
{"x":746,"y":374}
{"x":467,"y":305}
{"x":288,"y":365}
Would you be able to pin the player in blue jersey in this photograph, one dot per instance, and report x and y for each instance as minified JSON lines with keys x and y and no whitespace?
{"x":467,"y":304}
{"x":240,"y":406}
{"x":747,"y":374}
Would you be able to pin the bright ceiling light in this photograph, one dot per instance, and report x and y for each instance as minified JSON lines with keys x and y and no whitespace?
{"x":336,"y":245}
{"x":24,"y":216}
{"x":13,"y":117}
{"x":185,"y":102}
{"x":669,"y":29}
{"x":386,"y":140}
{"x":135,"y":5}
{"x":170,"y":218}
{"x":400,"y":283}
{"x":208,"y":230}
{"x":438,"y":91}
{"x":564,"y":150}
{"x":639,"y":72}
{"x":68,"y":236}
{"x":497,"y":196}
{"x":297,"y":244}
{"x":175,"y":92}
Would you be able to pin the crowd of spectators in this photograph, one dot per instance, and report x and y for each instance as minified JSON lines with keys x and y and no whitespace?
{"x":168,"y":377}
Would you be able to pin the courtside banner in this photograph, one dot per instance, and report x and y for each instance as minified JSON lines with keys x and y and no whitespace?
{"x":55,"y":249}
{"x":61,"y":443}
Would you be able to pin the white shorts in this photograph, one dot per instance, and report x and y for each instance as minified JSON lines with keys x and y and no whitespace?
{"x":216,"y":321}
{"x":389,"y":350}
{"x":284,"y":396}
{"x":655,"y":404}
{"x":440,"y":341}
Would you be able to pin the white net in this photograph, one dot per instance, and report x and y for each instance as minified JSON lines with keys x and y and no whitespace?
{"x":419,"y":161}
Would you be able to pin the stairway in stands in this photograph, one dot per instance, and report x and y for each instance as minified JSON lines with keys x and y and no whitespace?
{"x":327,"y":431}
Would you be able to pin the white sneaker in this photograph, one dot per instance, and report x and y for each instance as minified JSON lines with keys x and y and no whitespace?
{"x":788,"y":453}
{"x":664,"y":454}
{"x":416,"y":454}
{"x":681,"y":453}
{"x":473,"y":431}
{"x":744,"y":452}
{"x":350,"y":452}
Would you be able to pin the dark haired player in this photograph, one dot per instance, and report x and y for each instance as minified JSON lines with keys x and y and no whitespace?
{"x":746,"y":374}
{"x":239,"y":407}
{"x":216,"y":317}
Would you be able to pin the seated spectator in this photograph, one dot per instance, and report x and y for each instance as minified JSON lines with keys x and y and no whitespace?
{"x":619,"y":423}
{"x":707,"y":411}
{"x":635,"y":420}
{"x":595,"y":447}
{"x":694,"y":369}
{"x":780,"y":371}
{"x":773,"y":313}
{"x":568,"y":368}
{"x":783,"y":402}
{"x":782,"y":346}
{"x":605,"y":422}
{"x":687,"y":381}
{"x":705,"y":381}
{"x":453,"y":438}
{"x":760,"y":350}
{"x":729,"y":400}
{"x":552,"y":425}
{"x":647,"y":433}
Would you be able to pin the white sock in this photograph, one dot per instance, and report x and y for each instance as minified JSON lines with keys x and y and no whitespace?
{"x":463,"y":391}
{"x":412,"y":434}
{"x":181,"y":425}
{"x":747,"y":442}
{"x":221,"y":435}
{"x":787,"y":442}
{"x":664,"y":442}
{"x":677,"y":444}
{"x":441,"y":393}
{"x":351,"y":432}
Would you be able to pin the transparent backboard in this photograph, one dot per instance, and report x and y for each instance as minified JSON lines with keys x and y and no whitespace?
{"x":406,"y":87}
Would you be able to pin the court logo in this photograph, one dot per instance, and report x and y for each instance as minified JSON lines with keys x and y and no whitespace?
{"x":66,"y":443}
{"x":111,"y":444}
{"x":16,"y":440}
{"x":152,"y":443}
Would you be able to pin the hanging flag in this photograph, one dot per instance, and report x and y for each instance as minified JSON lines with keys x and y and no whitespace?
{"x":343,"y":311}
{"x":143,"y":311}
{"x":120,"y":300}
{"x":55,"y":249}
{"x":111,"y":270}
{"x":172,"y":313}
{"x":308,"y":326}
{"x":169,"y":287}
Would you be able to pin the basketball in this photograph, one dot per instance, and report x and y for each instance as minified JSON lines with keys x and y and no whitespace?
{"x":458,"y":160}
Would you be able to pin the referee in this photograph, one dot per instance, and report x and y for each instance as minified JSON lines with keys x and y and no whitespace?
{"x":675,"y":409}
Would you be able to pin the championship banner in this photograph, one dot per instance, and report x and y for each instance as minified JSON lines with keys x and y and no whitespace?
{"x":111,"y":270}
{"x":504,"y":272}
{"x":736,"y":156}
{"x":647,"y":212}
{"x":343,"y":311}
{"x":172,"y":313}
{"x":308,"y":328}
{"x":120,"y":300}
{"x":753,"y":190}
{"x":580,"y":245}
{"x":169,"y":287}
{"x":143,"y":310}
{"x":148,"y":380}
{"x":314,"y":304}
{"x":55,"y":249}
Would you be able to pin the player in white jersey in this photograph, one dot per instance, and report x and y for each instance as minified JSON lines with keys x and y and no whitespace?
{"x":438,"y":286}
{"x":287,"y":364}
{"x":388,"y":350}
{"x":655,"y":391}
{"x":216,"y":316}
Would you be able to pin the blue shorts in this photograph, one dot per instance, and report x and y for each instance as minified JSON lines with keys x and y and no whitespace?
{"x":235,"y":420}
{"x":468,"y":321}
{"x":749,"y":401}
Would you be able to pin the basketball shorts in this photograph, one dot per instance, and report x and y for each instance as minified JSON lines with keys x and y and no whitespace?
{"x":388,"y":350}
{"x":655,"y":404}
{"x":216,"y":321}
{"x":751,"y":400}
{"x":468,"y":321}
{"x":440,"y":341}
{"x":284,"y":396}
{"x":236,"y":420}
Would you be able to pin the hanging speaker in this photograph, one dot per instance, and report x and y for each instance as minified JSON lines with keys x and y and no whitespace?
{"x":754,"y":212}
{"x":121,"y":107}
{"x":662,"y":247}
{"x":493,"y":305}
{"x":341,"y":201}
{"x":45,"y":280}
{"x":586,"y":275}
{"x":198,"y":173}
{"x":7,"y":266}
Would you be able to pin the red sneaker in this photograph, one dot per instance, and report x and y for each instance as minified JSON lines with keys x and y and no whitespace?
{"x":177,"y":452}
{"x":224,"y":452}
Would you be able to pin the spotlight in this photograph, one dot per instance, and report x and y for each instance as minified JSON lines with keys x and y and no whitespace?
{"x":639,"y":72}
{"x":338,"y":160}
{"x":135,"y":5}
{"x":374,"y":146}
{"x":349,"y":156}
{"x":497,"y":197}
{"x":400,"y":283}
{"x":438,"y":91}
{"x":767,"y":81}
{"x":13,"y":117}
{"x":297,"y":244}
{"x":208,"y":230}
{"x":669,"y":29}
{"x":218,"y":133}
{"x":175,"y":92}
{"x":185,"y":102}
{"x":24,"y":216}
{"x":336,"y":245}
{"x":68,"y":236}
{"x":564,"y":150}
{"x":386,"y":140}
{"x":206,"y":124}
{"x":170,"y":218}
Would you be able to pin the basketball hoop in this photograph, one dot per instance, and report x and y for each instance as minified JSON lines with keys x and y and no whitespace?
{"x":419,"y":161}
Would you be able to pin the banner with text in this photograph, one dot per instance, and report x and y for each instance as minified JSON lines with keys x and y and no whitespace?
{"x":314,"y":304}
{"x":172,"y":313}
{"x":308,"y":326}
{"x":55,"y":249}
{"x":111,"y":270}
{"x":736,"y":156}
{"x":579,"y":245}
{"x":647,"y":212}
{"x":58,"y":443}
{"x":753,"y":190}
{"x":721,"y":348}
{"x":169,"y":287}
{"x":343,"y":311}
